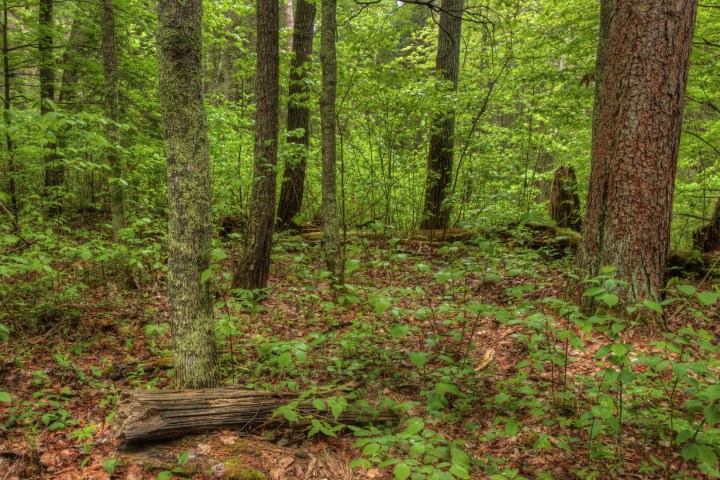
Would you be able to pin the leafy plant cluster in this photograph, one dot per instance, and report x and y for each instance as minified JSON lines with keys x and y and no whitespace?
{"x":580,"y":381}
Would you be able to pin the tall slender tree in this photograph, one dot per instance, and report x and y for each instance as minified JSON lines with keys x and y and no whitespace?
{"x":328,"y":60}
{"x":298,"y":117}
{"x":634,"y":158}
{"x":189,"y":191}
{"x":9,"y":146}
{"x":602,"y":46}
{"x":112,"y":112}
{"x":54,"y":171}
{"x":254,"y":268}
{"x":440,"y":156}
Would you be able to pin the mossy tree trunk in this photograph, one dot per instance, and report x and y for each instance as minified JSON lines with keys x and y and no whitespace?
{"x":328,"y":61}
{"x":436,"y":213}
{"x":634,"y":157}
{"x":189,"y":192}
{"x":298,"y":119}
{"x":112,"y":113}
{"x":254,"y":268}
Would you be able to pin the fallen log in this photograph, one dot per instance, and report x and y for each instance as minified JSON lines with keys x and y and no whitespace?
{"x":145,"y":415}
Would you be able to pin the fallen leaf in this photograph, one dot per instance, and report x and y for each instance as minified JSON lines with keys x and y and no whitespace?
{"x":229,"y":440}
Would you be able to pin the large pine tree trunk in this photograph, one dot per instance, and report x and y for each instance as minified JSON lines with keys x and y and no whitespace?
{"x":254,"y":268}
{"x":627,"y":224}
{"x":112,"y":113}
{"x":298,"y":118}
{"x":189,"y":192}
{"x":442,"y":142}
{"x":331,"y":221}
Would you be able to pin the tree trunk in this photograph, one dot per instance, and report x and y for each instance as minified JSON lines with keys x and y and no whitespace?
{"x":298,"y":120}
{"x":254,"y":268}
{"x":602,"y":46}
{"x":440,"y":158}
{"x":9,"y":146}
{"x":189,"y":192}
{"x":564,"y":201}
{"x":69,"y":63}
{"x":627,"y":224}
{"x":328,"y":60}
{"x":112,"y":113}
{"x":289,"y":22}
{"x":54,"y":171}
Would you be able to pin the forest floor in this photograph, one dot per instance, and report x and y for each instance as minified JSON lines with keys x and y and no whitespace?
{"x":493,"y":377}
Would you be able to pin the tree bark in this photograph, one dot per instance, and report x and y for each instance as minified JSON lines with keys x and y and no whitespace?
{"x":189,"y":192}
{"x":436,"y":214}
{"x":328,"y":60}
{"x":289,"y":22}
{"x":54,"y":171}
{"x":254,"y":268}
{"x":145,"y":415}
{"x":602,"y":46}
{"x":9,"y":146}
{"x":112,"y":113}
{"x":627,"y":223}
{"x":298,"y":119}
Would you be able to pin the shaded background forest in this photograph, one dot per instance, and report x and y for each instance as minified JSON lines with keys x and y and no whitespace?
{"x":523,"y":105}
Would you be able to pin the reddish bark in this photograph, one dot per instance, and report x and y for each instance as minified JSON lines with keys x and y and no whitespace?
{"x":634,"y":158}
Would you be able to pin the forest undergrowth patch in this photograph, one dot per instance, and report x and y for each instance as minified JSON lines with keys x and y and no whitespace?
{"x":495,"y":374}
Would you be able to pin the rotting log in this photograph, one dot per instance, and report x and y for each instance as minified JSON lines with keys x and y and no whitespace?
{"x":146,"y":415}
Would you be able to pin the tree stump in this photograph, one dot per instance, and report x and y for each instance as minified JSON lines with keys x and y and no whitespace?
{"x":564,"y":201}
{"x":707,"y":238}
{"x":144,"y":415}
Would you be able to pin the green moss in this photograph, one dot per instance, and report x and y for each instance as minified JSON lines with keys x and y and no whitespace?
{"x":236,"y":470}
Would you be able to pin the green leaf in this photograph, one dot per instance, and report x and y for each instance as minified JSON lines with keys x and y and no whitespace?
{"x":459,"y":471}
{"x":205,"y":275}
{"x":593,"y":291}
{"x":686,"y":289}
{"x":712,"y":415}
{"x":401,"y":471}
{"x":414,"y":426}
{"x":164,"y":475}
{"x":5,"y":397}
{"x":284,"y":359}
{"x":418,"y":358}
{"x":610,"y":299}
{"x":700,"y":453}
{"x":183,"y":457}
{"x":708,"y":298}
{"x":370,"y":449}
{"x":683,"y":436}
{"x":397,"y":330}
{"x":654,"y":306}
{"x":511,"y":428}
{"x":318,"y":404}
{"x":109,"y":465}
